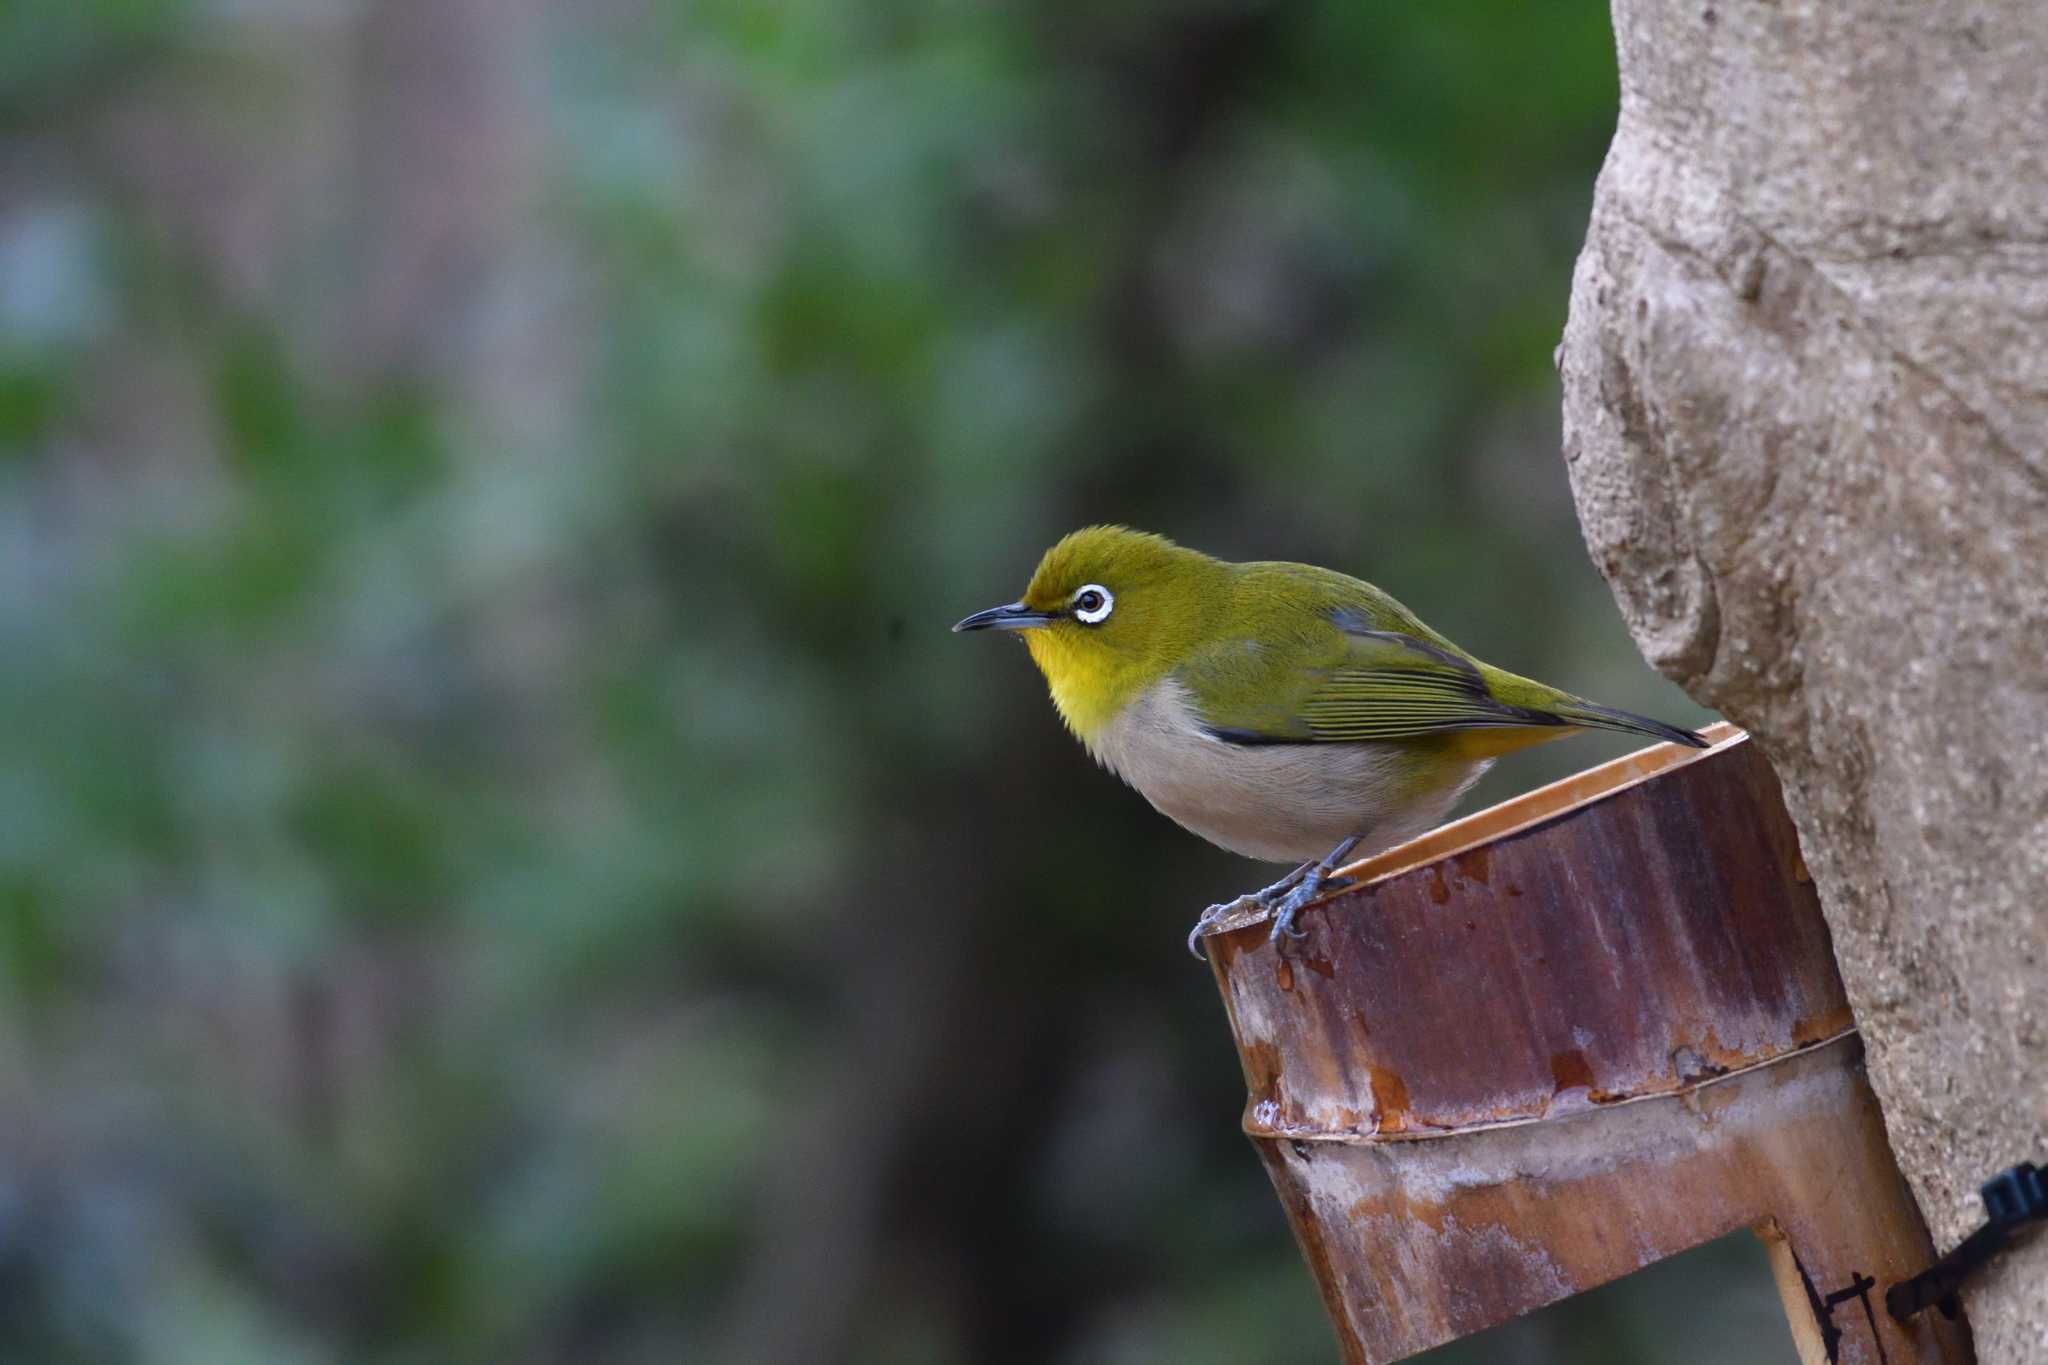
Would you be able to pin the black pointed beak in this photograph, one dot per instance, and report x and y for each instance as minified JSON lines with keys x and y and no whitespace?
{"x":1015,"y":616}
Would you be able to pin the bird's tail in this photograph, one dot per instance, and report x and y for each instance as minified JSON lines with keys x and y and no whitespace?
{"x":1591,"y":717}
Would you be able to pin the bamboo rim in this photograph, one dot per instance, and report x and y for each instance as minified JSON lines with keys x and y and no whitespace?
{"x":1544,"y":804}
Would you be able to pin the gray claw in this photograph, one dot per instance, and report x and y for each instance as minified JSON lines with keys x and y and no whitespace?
{"x":1300,"y":883}
{"x":1219,"y":911}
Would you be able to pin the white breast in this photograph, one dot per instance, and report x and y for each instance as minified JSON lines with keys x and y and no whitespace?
{"x":1279,"y":802}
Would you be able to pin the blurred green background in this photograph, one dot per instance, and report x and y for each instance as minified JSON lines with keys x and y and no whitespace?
{"x":500,"y":858}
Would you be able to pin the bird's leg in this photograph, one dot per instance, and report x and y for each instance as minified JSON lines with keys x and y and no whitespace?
{"x":1250,"y":900}
{"x":1311,"y":885}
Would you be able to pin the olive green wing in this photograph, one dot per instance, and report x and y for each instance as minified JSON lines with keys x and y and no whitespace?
{"x":1333,"y":660}
{"x":1347,"y":683}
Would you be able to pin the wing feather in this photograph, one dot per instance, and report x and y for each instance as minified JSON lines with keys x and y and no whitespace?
{"x":1358,"y":683}
{"x":1338,"y":662}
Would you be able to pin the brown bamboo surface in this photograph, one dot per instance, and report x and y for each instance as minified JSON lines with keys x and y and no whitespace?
{"x":1566,"y":1037}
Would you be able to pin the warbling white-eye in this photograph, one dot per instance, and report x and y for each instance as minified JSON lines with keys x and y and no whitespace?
{"x":1277,"y":710}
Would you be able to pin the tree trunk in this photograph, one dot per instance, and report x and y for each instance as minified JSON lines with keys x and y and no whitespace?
{"x":1806,"y":414}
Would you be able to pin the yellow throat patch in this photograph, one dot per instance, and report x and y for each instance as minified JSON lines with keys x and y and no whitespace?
{"x":1088,"y":686}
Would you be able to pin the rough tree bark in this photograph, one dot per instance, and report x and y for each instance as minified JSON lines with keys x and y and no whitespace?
{"x":1806,"y":410}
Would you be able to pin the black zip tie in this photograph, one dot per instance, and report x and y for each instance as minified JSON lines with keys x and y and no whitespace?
{"x":2012,"y":1199}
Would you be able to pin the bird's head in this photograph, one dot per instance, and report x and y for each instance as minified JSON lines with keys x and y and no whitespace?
{"x":1109,"y":612}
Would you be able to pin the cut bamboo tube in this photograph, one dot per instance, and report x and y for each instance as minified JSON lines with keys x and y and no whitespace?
{"x":1566,"y":1037}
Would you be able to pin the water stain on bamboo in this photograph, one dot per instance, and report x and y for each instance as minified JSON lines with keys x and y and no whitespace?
{"x":1569,"y":1070}
{"x":1473,"y":864}
{"x":1390,"y":1100}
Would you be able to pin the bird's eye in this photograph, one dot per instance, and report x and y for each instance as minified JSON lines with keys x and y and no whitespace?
{"x":1093,"y":604}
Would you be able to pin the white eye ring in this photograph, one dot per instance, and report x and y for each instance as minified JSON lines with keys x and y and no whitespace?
{"x":1100,"y":603}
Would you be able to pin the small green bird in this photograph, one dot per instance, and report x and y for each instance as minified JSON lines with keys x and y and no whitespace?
{"x":1275,"y":709}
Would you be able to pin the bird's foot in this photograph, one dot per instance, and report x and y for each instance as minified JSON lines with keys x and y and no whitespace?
{"x":1261,"y":899}
{"x":1285,"y":913}
{"x":1318,"y":879}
